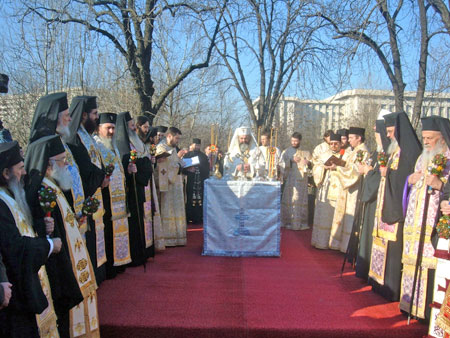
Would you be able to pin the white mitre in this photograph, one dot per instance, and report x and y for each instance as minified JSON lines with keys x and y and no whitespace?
{"x":233,"y":147}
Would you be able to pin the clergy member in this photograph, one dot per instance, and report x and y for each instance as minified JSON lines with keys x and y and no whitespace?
{"x":364,"y":218}
{"x":5,"y":286}
{"x":386,"y":258}
{"x":196,"y":176}
{"x":270,"y":157}
{"x":138,"y":171}
{"x":84,"y":116}
{"x":327,"y":192}
{"x":243,"y":153}
{"x":52,"y":117}
{"x":349,"y":179}
{"x":170,"y":184}
{"x":425,"y":186}
{"x":322,"y":147}
{"x":142,"y":127}
{"x":160,"y":134}
{"x":117,"y":243}
{"x":294,"y":172}
{"x":70,"y":272}
{"x":30,"y":312}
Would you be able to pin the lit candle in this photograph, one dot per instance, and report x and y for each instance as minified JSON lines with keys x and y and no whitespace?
{"x":217,"y":134}
{"x":212,"y":134}
{"x":259,"y":135}
{"x":276,"y":137}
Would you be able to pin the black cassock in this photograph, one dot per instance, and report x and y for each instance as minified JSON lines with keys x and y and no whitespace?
{"x":65,"y":290}
{"x":3,"y":279}
{"x":92,"y":178}
{"x":369,"y":206}
{"x":23,"y":257}
{"x":139,"y":253}
{"x":194,"y":187}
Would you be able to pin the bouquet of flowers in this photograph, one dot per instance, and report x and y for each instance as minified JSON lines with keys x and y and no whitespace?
{"x":438,"y":165}
{"x":133,"y":156}
{"x":443,"y":227}
{"x":152,"y":149}
{"x":47,"y":200}
{"x":213,"y":148}
{"x":90,"y":206}
{"x":382,"y":159}
{"x":360,"y":156}
{"x":109,"y":170}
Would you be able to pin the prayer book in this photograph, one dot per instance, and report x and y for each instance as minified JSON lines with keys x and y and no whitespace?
{"x":335,"y":160}
{"x":189,"y":162}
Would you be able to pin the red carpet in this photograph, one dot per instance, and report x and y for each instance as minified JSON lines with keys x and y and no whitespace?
{"x":301,"y":294}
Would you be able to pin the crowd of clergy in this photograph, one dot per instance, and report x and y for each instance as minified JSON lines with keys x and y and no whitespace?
{"x":95,"y":193}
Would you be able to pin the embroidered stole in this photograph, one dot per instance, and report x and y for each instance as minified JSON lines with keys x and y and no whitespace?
{"x":83,"y":317}
{"x":76,"y":189}
{"x":118,"y":201}
{"x":147,"y":207}
{"x":90,"y":145}
{"x":382,"y":232}
{"x":46,"y":321}
{"x":159,"y":235}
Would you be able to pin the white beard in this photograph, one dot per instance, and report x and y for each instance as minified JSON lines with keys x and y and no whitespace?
{"x":428,"y":154}
{"x":136,"y":141}
{"x":392,"y":147}
{"x":16,"y":188}
{"x":63,"y":131}
{"x":62,"y":177}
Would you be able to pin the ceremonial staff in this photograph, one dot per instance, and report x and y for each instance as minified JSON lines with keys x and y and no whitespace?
{"x":133,"y":157}
{"x":419,"y":252}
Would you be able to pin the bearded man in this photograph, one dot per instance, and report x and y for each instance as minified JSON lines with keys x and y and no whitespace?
{"x":328,"y":191}
{"x":294,"y":172}
{"x":30,"y":312}
{"x":243,"y":155}
{"x":170,"y":184}
{"x":138,"y":173}
{"x":117,"y":242}
{"x":425,"y":185}
{"x":386,"y":258}
{"x":142,"y":127}
{"x":51,"y":117}
{"x":84,"y":115}
{"x":349,"y":179}
{"x":70,"y":272}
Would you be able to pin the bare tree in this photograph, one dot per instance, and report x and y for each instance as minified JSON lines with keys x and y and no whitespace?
{"x":262,"y":44}
{"x":129,"y":26}
{"x":442,"y":9}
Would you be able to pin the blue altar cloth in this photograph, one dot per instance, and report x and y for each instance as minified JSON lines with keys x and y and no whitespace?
{"x":241,"y":218}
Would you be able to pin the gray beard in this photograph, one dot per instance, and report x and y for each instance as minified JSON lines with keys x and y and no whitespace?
{"x":392,"y":147}
{"x":62,"y":177}
{"x":136,"y":141}
{"x":63,"y":131}
{"x":428,"y":154}
{"x":108,"y":142}
{"x":16,"y":188}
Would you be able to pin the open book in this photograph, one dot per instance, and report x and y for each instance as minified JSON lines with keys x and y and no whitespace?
{"x":189,"y":162}
{"x":335,"y":160}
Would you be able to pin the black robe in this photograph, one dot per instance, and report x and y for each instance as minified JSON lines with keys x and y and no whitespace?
{"x":65,"y":290}
{"x":369,"y":205}
{"x":3,"y":279}
{"x":92,"y":178}
{"x":23,"y":257}
{"x":194,"y":208}
{"x":139,"y":253}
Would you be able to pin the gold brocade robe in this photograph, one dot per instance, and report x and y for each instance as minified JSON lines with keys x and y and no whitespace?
{"x":294,"y":202}
{"x":170,"y":183}
{"x":344,"y":213}
{"x":328,"y":188}
{"x":411,"y":238}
